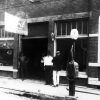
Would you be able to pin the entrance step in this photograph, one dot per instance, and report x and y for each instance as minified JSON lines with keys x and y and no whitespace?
{"x":79,"y":81}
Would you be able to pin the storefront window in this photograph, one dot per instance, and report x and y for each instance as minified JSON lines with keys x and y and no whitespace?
{"x":6,"y":47}
{"x":6,"y":57}
{"x":4,"y":34}
{"x":63,"y":40}
{"x":64,"y":46}
{"x":64,"y":27}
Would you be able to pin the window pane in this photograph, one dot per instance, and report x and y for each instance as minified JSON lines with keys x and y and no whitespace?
{"x":6,"y":57}
{"x":64,"y":46}
{"x":4,"y":34}
{"x":81,"y":53}
{"x":68,"y":28}
{"x":6,"y":53}
{"x":73,"y":24}
{"x":85,"y":26}
{"x":58,"y":28}
{"x":79,"y":26}
{"x":63,"y":28}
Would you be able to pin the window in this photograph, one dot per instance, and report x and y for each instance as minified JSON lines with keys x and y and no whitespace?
{"x":6,"y":57}
{"x":62,"y":30}
{"x":64,"y":27}
{"x":4,"y":34}
{"x":6,"y":47}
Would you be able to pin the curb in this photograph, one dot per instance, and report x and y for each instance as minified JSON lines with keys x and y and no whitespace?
{"x":35,"y":95}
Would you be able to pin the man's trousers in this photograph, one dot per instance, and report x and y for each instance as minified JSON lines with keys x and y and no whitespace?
{"x":55,"y":77}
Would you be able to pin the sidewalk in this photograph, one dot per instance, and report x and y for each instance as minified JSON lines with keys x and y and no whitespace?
{"x":39,"y":88}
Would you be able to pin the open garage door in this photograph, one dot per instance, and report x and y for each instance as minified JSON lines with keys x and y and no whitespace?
{"x":35,"y":49}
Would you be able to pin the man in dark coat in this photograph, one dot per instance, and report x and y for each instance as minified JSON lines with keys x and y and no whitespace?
{"x":23,"y":60}
{"x":56,"y":68}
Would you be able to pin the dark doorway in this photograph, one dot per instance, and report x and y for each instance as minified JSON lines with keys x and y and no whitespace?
{"x":35,"y":49}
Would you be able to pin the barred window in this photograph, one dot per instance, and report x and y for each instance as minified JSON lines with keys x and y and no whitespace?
{"x":6,"y":47}
{"x":64,"y":27}
{"x":4,"y":34}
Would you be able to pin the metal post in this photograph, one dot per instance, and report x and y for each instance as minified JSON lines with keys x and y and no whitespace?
{"x":72,"y":72}
{"x":71,"y":66}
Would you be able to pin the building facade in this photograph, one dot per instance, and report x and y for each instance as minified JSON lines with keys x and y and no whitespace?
{"x":49,"y":25}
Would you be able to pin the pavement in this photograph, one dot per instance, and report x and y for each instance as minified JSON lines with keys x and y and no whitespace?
{"x":38,"y":87}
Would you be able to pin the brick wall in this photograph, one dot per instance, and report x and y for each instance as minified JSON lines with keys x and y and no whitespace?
{"x":93,"y":49}
{"x":93,"y":72}
{"x":94,"y":5}
{"x":45,"y":7}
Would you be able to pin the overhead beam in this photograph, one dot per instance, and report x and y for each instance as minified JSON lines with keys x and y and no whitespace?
{"x":59,"y":17}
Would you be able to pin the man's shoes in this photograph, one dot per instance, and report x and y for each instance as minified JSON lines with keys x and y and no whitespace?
{"x":55,"y":85}
{"x":46,"y":84}
{"x":22,"y":79}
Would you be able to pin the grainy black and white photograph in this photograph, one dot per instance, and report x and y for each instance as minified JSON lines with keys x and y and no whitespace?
{"x":49,"y":49}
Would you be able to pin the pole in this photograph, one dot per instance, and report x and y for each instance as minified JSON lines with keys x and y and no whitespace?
{"x":71,"y":71}
{"x":71,"y":66}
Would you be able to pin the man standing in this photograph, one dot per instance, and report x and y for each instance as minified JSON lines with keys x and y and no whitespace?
{"x":23,"y":65}
{"x":56,"y":68}
{"x":47,"y":60}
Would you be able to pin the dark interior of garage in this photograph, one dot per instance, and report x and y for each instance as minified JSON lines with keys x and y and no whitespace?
{"x":35,"y":49}
{"x":34,"y":46}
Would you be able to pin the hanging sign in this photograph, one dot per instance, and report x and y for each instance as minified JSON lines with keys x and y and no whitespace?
{"x":74,"y":34}
{"x":15,"y":24}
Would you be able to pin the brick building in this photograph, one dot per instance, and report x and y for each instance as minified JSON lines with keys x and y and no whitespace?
{"x":57,"y":17}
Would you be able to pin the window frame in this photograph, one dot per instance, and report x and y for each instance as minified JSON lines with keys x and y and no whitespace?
{"x":67,"y":35}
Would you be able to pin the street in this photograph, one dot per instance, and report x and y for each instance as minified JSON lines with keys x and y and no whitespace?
{"x":86,"y":96}
{"x":16,"y":89}
{"x":6,"y":96}
{"x":14,"y":95}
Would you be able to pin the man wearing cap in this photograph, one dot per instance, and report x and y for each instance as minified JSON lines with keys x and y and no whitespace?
{"x":56,"y":68}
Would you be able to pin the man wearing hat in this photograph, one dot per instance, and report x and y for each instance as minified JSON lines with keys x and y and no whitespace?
{"x":56,"y":68}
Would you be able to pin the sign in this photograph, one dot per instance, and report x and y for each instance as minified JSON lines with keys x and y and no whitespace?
{"x":15,"y":24}
{"x":53,"y":36}
{"x":74,"y":34}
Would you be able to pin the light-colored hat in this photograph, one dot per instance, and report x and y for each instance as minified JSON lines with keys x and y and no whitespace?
{"x":57,"y":52}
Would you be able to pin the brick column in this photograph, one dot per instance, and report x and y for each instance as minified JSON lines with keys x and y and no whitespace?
{"x":15,"y":56}
{"x":50,"y":42}
{"x":93,"y":53}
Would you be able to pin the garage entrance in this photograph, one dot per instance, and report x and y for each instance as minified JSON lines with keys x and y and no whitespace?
{"x":35,"y":49}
